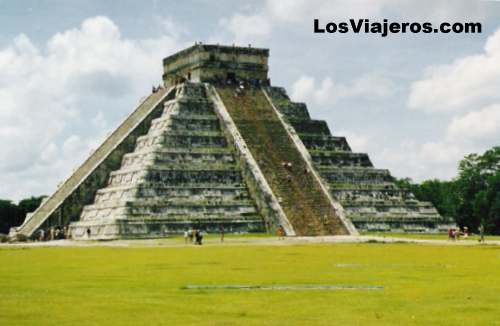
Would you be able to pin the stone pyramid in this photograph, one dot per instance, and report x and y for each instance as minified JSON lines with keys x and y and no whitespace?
{"x":219,"y":147}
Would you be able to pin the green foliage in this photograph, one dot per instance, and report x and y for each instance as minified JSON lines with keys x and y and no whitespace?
{"x":13,"y":215}
{"x":442,"y":194}
{"x":473,"y":198}
{"x":10,"y":215}
{"x":478,"y":185}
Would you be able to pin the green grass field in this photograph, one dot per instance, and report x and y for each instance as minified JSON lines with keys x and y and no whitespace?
{"x":428,"y":236}
{"x":422,"y":285}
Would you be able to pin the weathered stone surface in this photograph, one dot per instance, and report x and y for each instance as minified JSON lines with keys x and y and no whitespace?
{"x":216,"y":63}
{"x":182,"y":174}
{"x":308,"y":209}
{"x":369,"y":196}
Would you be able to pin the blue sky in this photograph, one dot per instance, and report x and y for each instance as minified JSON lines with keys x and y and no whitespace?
{"x":70,"y":71}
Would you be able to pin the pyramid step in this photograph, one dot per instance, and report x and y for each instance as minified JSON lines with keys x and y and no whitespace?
{"x":355,"y":175}
{"x":191,"y":106}
{"x":309,"y":126}
{"x":182,"y":139}
{"x":172,"y":169}
{"x":320,"y":142}
{"x":340,"y":158}
{"x":160,"y":187}
{"x":382,"y":186}
{"x":194,"y":220}
{"x":179,"y":123}
{"x":192,"y":210}
{"x":373,"y":194}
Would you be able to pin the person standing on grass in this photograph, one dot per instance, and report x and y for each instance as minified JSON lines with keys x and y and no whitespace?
{"x":186,"y":236}
{"x":281,"y":233}
{"x":481,"y":233}
{"x":198,"y":237}
{"x":221,"y":230}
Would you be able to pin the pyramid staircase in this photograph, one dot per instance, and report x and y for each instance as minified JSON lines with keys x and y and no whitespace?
{"x":305,"y":203}
{"x":66,"y":203}
{"x":182,"y":174}
{"x":370,"y":197}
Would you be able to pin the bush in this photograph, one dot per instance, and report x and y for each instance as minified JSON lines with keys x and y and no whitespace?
{"x":4,"y":238}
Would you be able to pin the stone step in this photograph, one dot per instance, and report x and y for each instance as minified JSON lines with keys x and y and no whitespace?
{"x":355,"y":175}
{"x":177,"y":167}
{"x":184,"y":123}
{"x":370,"y":194}
{"x":310,"y":127}
{"x":316,"y":142}
{"x":293,"y":110}
{"x":384,"y":205}
{"x":160,"y":191}
{"x":385,"y":186}
{"x":389,"y":210}
{"x":158,"y":156}
{"x":384,"y":217}
{"x":192,"y":210}
{"x":340,"y":158}
{"x":190,"y":107}
{"x":196,"y":177}
{"x":177,"y":177}
{"x":200,"y":221}
{"x":183,"y":140}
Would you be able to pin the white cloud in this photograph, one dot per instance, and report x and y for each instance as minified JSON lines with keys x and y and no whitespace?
{"x":477,"y":125}
{"x":368,"y":86}
{"x":358,"y":142}
{"x":467,"y":83}
{"x":467,"y":90}
{"x":56,"y":100}
{"x":247,"y":28}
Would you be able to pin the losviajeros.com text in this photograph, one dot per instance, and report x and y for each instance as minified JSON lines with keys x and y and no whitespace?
{"x":385,"y":27}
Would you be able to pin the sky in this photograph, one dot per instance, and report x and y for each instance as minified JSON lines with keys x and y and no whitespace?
{"x":71,"y":71}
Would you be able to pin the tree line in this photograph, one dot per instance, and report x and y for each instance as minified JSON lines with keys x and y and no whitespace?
{"x":12,"y":214}
{"x":472,"y":198}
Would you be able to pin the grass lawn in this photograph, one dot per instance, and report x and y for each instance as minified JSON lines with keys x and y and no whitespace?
{"x":422,"y":285}
{"x":428,"y":236}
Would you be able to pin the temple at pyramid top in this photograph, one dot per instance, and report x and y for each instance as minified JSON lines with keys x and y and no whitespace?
{"x":213,"y":63}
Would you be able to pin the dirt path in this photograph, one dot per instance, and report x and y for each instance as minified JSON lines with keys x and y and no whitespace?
{"x":236,"y":241}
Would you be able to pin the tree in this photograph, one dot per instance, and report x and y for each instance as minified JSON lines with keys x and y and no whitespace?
{"x":442,"y":194}
{"x":473,"y":198}
{"x":29,"y":205}
{"x":486,"y":204}
{"x":14,"y":215}
{"x":477,"y":186}
{"x":10,"y":215}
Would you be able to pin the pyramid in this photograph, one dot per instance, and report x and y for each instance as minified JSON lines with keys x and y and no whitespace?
{"x":219,"y":147}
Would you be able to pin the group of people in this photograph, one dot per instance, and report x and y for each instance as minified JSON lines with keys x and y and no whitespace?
{"x":456,"y":233}
{"x":196,"y":236}
{"x":193,"y":235}
{"x":53,"y":233}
